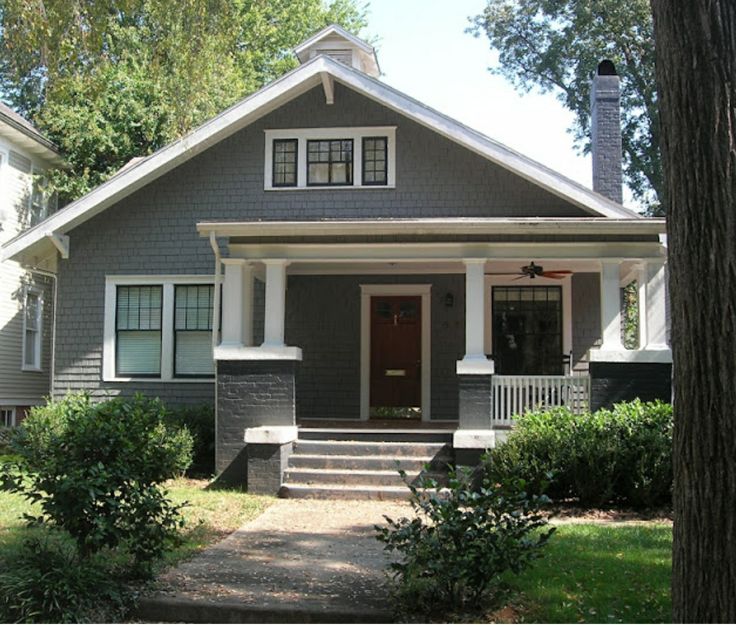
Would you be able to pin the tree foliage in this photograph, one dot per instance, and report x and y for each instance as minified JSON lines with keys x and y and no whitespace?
{"x":556,"y":45}
{"x":110,"y":80}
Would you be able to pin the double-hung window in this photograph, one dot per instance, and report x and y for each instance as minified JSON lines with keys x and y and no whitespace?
{"x":32,"y":319}
{"x":158,"y":327}
{"x":323,"y":158}
{"x":193,"y":330}
{"x":138,"y":331}
{"x":7,"y":416}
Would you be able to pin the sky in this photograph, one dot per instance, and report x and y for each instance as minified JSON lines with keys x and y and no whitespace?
{"x":424,"y":51}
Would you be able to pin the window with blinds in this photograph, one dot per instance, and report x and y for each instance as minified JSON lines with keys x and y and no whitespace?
{"x":193,"y":330}
{"x":138,"y":331}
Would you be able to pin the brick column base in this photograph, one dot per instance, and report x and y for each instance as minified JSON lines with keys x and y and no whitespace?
{"x":474,"y":434}
{"x":613,"y":382}
{"x":266,"y":466}
{"x":251,"y":393}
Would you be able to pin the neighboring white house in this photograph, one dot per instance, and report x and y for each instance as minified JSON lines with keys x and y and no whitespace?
{"x":26,"y":296}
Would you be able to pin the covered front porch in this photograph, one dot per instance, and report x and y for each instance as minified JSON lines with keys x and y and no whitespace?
{"x":427,"y":324}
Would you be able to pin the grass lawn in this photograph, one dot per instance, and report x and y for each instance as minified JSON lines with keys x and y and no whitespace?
{"x":600,"y":574}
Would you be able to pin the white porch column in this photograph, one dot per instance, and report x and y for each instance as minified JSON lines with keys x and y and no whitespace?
{"x":232,"y":302}
{"x":641,"y":283}
{"x":656,"y":309}
{"x":248,"y":305}
{"x":275,"y":313}
{"x":611,"y":306}
{"x":475,"y":360}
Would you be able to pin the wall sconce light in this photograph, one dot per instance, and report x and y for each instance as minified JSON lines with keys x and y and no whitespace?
{"x":449,"y":300}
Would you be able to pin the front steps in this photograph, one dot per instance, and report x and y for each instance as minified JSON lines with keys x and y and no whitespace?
{"x":363,"y":464}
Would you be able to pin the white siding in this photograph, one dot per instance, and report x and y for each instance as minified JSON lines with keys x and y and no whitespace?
{"x":18,"y":387}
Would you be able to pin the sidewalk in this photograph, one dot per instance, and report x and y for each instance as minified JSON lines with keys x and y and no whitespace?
{"x":300,"y":561}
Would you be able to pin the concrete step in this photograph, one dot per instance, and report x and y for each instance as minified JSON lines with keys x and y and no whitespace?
{"x":351,"y":478}
{"x":376,"y":435}
{"x":368,"y":448}
{"x":336,"y":491}
{"x":368,"y":463}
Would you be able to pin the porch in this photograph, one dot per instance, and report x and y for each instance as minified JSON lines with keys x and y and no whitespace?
{"x":440,"y":332}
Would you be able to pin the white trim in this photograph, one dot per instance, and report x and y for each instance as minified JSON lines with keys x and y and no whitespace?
{"x":11,"y":410}
{"x":38,"y":340}
{"x":271,"y":434}
{"x":366,"y":292}
{"x":567,"y":320}
{"x":356,"y":133}
{"x":438,"y":226}
{"x":167,"y":283}
{"x":22,"y":402}
{"x":240,"y":352}
{"x":474,"y":439}
{"x":630,"y":355}
{"x":282,"y":90}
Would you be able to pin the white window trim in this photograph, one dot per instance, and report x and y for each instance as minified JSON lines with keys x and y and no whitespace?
{"x":302,"y":135}
{"x":366,"y":292}
{"x":36,"y":365}
{"x":13,"y":415}
{"x":167,"y":282}
{"x":565,"y":283}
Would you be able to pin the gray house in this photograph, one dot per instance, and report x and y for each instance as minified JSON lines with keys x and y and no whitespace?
{"x":26,"y":296}
{"x":330,"y":260}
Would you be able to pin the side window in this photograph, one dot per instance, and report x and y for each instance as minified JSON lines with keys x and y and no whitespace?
{"x":32,"y":316}
{"x":138,"y":331}
{"x":375,"y":160}
{"x":7,"y":416}
{"x":193,"y":330}
{"x":284,"y":162}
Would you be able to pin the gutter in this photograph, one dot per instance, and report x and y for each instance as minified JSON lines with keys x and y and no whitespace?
{"x":52,"y":368}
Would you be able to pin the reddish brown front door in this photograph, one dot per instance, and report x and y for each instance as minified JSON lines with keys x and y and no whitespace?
{"x":396,"y":351}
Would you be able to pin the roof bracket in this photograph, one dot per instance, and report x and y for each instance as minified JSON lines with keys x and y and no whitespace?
{"x":328,"y":84}
{"x":61,"y":243}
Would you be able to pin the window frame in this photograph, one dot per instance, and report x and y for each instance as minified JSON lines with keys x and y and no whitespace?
{"x":11,"y":410}
{"x":303,"y":135}
{"x":273,"y":163}
{"x":349,"y":163}
{"x":38,"y":341}
{"x":176,"y":331}
{"x":364,"y":161}
{"x":168,"y":283}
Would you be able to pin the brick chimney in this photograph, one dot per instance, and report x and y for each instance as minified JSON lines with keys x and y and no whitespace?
{"x":605,"y":124}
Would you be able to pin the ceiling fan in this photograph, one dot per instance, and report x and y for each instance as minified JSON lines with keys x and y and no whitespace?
{"x":535,"y":271}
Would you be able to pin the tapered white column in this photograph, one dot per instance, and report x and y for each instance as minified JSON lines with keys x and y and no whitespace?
{"x":275,"y":313}
{"x":475,"y":360}
{"x":248,"y":305}
{"x":656,"y":308}
{"x":641,"y":280}
{"x":611,"y":306}
{"x":232,"y":302}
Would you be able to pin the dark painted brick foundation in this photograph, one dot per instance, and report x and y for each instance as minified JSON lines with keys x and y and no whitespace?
{"x":250,"y":394}
{"x":613,"y":382}
{"x":474,"y":401}
{"x":266,"y":466}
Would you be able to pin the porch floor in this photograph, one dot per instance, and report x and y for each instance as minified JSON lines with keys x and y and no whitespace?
{"x":376,"y":424}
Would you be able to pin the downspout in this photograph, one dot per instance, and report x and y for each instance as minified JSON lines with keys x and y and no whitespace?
{"x":218,"y":282}
{"x":52,"y":368}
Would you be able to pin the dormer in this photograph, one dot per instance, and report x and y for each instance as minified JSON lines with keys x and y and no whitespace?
{"x":340,"y":45}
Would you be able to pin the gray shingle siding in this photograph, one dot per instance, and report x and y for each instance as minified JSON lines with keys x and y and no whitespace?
{"x":153,"y":230}
{"x":586,"y":316}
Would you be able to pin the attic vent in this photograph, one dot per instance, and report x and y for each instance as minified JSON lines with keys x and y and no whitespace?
{"x":19,"y":162}
{"x":343,"y":56}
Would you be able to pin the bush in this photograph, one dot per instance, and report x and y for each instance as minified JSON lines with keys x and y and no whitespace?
{"x":95,"y":470}
{"x":200,"y":421}
{"x":621,"y":455}
{"x":46,"y":582}
{"x":462,"y":539}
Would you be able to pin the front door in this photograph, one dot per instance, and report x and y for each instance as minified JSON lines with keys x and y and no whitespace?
{"x":396,"y":356}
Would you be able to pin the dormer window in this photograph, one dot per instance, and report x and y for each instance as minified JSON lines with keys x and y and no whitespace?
{"x":325,"y":158}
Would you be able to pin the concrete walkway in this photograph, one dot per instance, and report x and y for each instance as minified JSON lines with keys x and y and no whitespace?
{"x":300,"y":561}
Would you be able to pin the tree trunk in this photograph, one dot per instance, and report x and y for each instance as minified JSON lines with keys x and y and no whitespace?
{"x":696,"y":79}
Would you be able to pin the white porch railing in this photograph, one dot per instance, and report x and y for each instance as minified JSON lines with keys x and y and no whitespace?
{"x":513,"y":395}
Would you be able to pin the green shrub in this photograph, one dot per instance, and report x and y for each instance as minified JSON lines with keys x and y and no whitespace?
{"x":200,"y":421}
{"x":621,"y":455}
{"x":462,"y":539}
{"x":95,"y":471}
{"x":46,"y":582}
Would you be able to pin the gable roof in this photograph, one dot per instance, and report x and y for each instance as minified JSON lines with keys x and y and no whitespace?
{"x":269,"y":98}
{"x":23,"y":132}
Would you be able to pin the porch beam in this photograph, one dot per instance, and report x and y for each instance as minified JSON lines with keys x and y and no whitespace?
{"x":275,"y":311}
{"x":611,"y":306}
